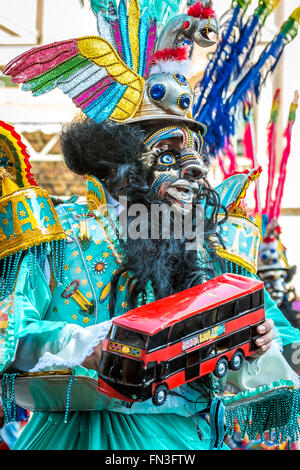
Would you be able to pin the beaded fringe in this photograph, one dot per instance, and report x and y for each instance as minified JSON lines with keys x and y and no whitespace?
{"x":279,"y":415}
{"x":37,"y":255}
{"x":234,"y":268}
{"x":8,"y":397}
{"x":8,"y":401}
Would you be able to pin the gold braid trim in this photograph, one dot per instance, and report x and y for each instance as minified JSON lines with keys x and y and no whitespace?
{"x":235,"y":259}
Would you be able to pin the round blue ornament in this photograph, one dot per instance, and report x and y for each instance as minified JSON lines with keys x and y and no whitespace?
{"x":184,"y":101}
{"x":157,"y":92}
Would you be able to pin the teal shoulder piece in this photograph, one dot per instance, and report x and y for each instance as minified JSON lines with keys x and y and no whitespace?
{"x":239,"y":234}
{"x":241,"y":239}
{"x":234,"y":188}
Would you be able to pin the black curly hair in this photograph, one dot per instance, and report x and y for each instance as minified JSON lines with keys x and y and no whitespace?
{"x":112,"y":153}
{"x":104,"y":150}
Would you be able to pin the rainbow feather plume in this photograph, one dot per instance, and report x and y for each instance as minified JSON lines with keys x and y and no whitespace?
{"x":275,"y":210}
{"x":272,"y":136}
{"x":103,"y":75}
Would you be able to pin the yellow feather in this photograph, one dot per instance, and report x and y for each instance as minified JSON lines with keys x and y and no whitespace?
{"x":103,"y":54}
{"x":133,"y":28}
{"x":105,"y":292}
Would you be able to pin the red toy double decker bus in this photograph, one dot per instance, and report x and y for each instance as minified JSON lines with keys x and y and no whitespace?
{"x":207,"y":328}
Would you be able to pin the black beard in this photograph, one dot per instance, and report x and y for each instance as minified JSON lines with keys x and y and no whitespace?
{"x":167,"y":263}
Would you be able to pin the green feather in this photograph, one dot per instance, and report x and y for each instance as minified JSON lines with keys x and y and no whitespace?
{"x":162,"y":10}
{"x":49,"y":80}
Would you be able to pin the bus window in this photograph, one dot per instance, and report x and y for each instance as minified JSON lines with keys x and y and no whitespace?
{"x":109,"y":366}
{"x":223,"y":344}
{"x":226,"y":311}
{"x":256,"y":299}
{"x":245,"y":303}
{"x":133,"y":338}
{"x":193,"y":324}
{"x":177,"y":332}
{"x":150,"y":372}
{"x":159,"y":339}
{"x":207,"y":351}
{"x":207,"y":319}
{"x":210,"y":318}
{"x":176,"y":364}
{"x":185,"y":328}
{"x":132,"y":371}
{"x":240,"y":337}
{"x":121,"y":369}
{"x":192,"y":358}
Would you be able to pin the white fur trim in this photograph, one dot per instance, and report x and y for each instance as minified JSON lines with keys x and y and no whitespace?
{"x":171,"y":66}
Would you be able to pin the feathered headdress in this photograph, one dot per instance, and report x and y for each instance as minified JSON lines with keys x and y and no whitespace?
{"x":128,"y":73}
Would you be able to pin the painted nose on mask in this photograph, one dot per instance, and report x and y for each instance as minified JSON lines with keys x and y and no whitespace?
{"x":192,"y":165}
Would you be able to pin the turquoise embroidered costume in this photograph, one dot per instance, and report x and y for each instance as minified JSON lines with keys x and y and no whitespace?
{"x":65,"y":275}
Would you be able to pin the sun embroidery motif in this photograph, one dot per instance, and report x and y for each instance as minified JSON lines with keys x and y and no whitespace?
{"x":99,"y":266}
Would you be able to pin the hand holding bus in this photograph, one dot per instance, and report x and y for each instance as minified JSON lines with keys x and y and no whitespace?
{"x":208,"y":328}
{"x":267,"y":336}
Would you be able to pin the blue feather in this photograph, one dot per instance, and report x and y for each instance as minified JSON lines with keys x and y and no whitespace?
{"x":123,"y":25}
{"x":258,"y":74}
{"x":143,"y":41}
{"x":225,"y":124}
{"x":245,"y":46}
{"x":213,"y":67}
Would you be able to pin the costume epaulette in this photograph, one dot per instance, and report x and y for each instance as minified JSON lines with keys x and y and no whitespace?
{"x":239,"y":234}
{"x":28,"y":220}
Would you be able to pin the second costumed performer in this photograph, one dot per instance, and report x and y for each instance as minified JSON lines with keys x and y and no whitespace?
{"x":68,"y":274}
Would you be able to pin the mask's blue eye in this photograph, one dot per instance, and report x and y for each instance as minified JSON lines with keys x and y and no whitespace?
{"x":166,"y":159}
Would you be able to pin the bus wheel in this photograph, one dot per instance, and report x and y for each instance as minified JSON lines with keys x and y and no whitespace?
{"x":236,"y":361}
{"x":160,"y":394}
{"x":221,"y":367}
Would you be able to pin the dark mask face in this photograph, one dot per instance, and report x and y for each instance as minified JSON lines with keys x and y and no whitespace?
{"x":176,"y":169}
{"x":271,"y":270}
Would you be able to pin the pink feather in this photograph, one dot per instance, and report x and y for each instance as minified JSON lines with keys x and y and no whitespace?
{"x":39,"y":60}
{"x":249,"y":151}
{"x":282,"y":173}
{"x":272,"y":161}
{"x":89,"y":95}
{"x":222,"y":167}
{"x":272,"y":136}
{"x":151,"y":43}
{"x":286,"y":153}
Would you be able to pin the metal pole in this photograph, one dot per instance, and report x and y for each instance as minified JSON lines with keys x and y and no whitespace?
{"x":278,"y":83}
{"x":39,"y":21}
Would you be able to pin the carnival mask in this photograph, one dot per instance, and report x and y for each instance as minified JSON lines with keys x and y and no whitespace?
{"x":176,"y":168}
{"x":271,"y":269}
